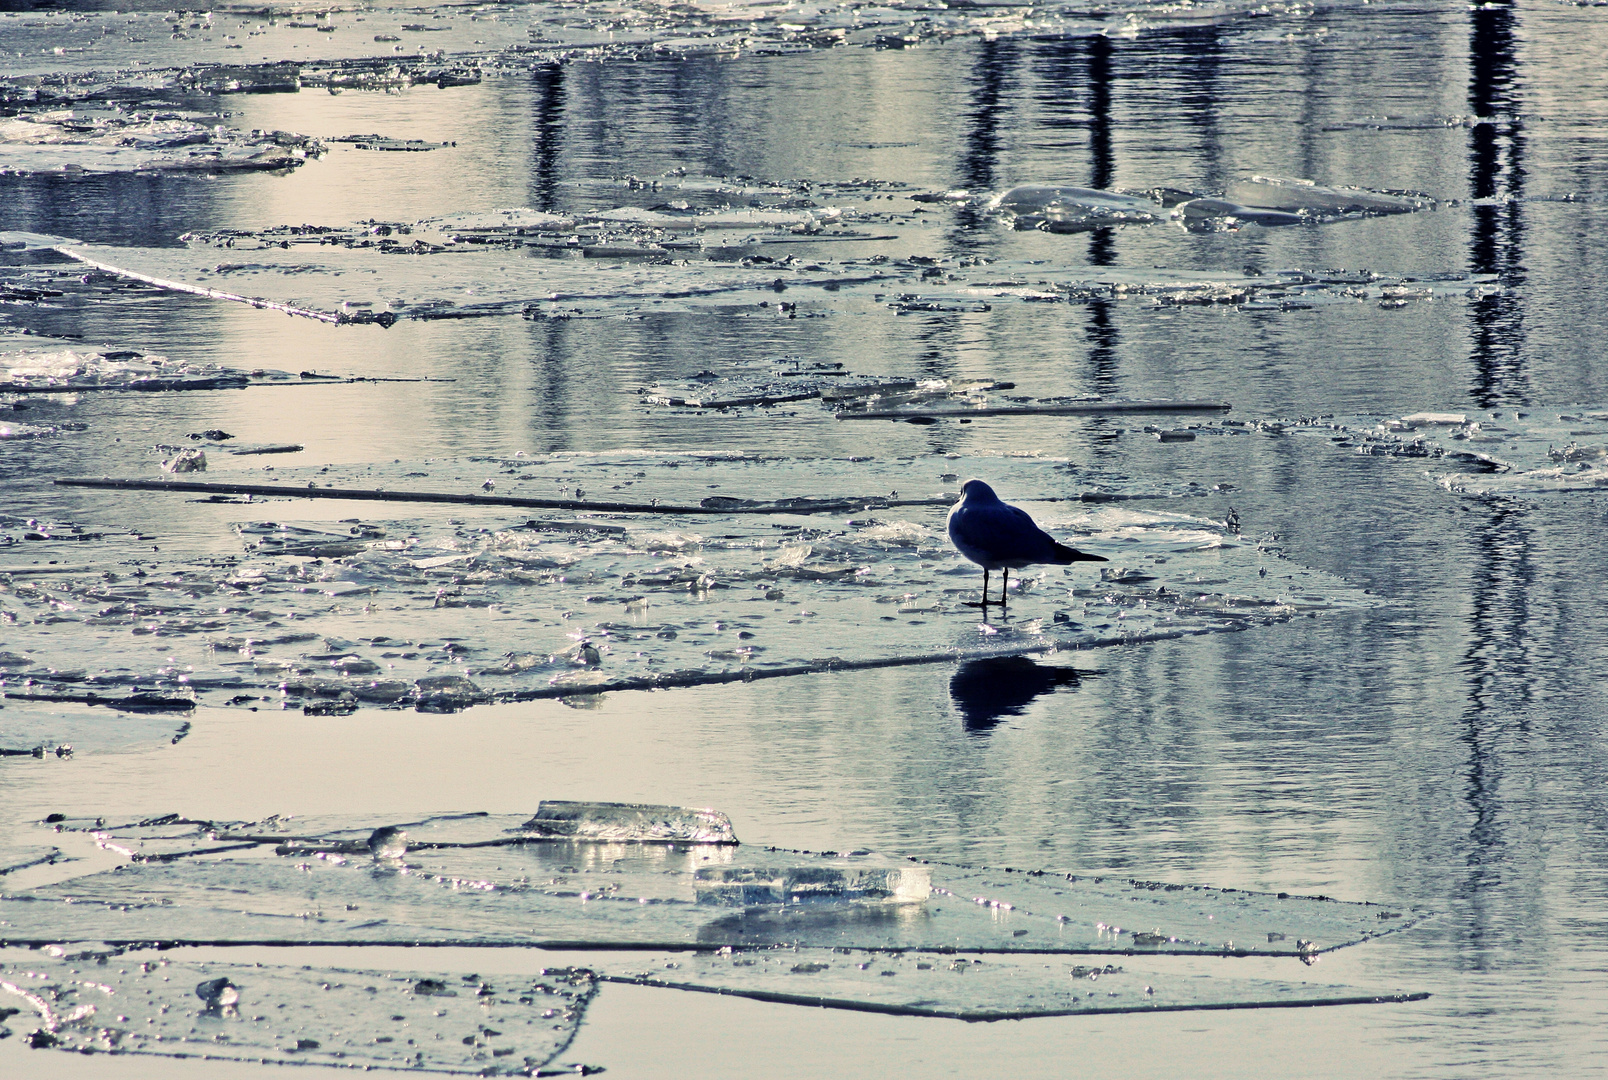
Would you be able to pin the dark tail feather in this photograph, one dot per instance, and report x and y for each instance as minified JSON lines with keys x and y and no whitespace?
{"x":1064,"y":554}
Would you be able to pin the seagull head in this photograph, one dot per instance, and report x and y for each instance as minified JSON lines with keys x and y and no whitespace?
{"x":977,"y":491}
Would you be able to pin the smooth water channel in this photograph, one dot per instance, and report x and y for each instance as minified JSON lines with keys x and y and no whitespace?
{"x":1442,"y":749}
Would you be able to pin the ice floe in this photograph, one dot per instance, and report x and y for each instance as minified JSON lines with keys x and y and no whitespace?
{"x":674,"y":574}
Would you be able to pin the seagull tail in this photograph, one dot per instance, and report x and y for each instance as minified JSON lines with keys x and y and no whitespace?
{"x":1064,"y":554}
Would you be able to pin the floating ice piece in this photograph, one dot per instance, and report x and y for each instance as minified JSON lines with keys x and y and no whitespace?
{"x":1094,"y":407}
{"x":750,"y":886}
{"x":137,"y":1003}
{"x":475,"y":879}
{"x":635,"y":822}
{"x":113,"y":143}
{"x":1427,"y":419}
{"x":1305,"y":196}
{"x":1210,"y":215}
{"x":1074,"y":209}
{"x":967,"y":988}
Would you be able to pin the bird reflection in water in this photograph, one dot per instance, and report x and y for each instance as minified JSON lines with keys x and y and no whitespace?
{"x":987,"y":690}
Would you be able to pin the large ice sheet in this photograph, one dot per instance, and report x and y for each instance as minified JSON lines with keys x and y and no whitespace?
{"x":418,"y":611}
{"x":967,"y":987}
{"x":147,"y":1003}
{"x":382,"y":275}
{"x":488,"y":886}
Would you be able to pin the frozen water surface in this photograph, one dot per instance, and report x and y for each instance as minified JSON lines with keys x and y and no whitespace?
{"x":710,"y":310}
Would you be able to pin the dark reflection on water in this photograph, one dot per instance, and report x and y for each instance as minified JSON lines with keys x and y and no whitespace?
{"x":547,"y":101}
{"x":987,"y":691}
{"x":1497,"y":171}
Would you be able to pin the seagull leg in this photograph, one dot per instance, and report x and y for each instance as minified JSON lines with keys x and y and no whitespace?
{"x":1004,"y":592}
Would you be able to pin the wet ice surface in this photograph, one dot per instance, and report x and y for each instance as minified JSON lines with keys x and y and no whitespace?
{"x":421,"y":612}
{"x":148,"y":1003}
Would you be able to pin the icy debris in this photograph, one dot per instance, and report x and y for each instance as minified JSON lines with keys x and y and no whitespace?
{"x":151,"y":1003}
{"x":966,"y":987}
{"x":479,"y":879}
{"x":616,"y":822}
{"x":71,"y":142}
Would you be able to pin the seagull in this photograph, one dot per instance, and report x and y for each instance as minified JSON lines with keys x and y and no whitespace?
{"x":997,"y":536}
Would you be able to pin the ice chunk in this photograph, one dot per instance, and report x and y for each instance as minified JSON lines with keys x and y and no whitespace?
{"x":1428,"y":419}
{"x":742,"y":886}
{"x":1074,"y":209}
{"x":1206,"y":215}
{"x":1297,"y":196}
{"x":140,"y":1003}
{"x":629,"y":821}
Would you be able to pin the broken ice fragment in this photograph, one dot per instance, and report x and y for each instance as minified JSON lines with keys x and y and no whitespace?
{"x":629,"y":822}
{"x":735,"y":886}
{"x":388,"y":842}
{"x":217,"y":993}
{"x":191,"y":460}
